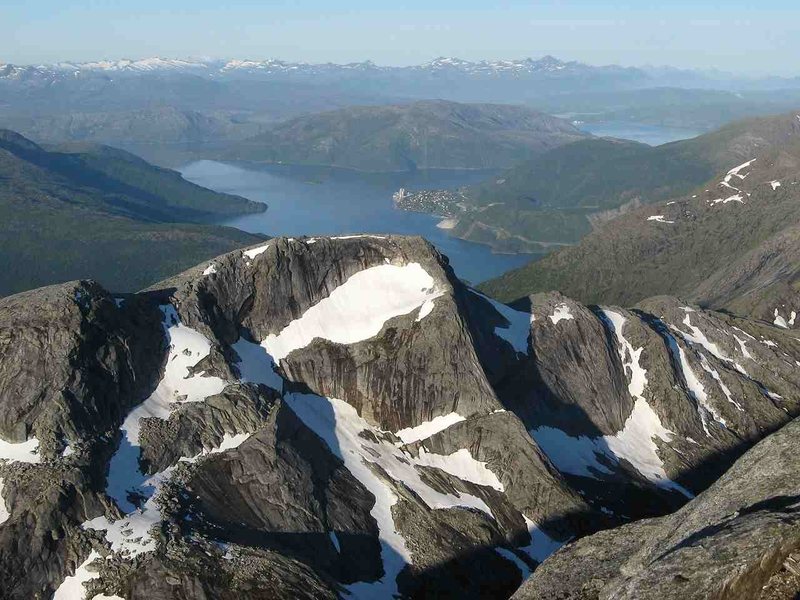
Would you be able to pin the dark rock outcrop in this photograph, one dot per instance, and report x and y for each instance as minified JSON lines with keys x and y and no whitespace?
{"x":209,"y":439}
{"x":73,"y":362}
{"x":730,"y":542}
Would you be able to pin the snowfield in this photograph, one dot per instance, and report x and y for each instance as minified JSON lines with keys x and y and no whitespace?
{"x":179,"y":384}
{"x":428,"y":428}
{"x":340,"y":426}
{"x":27,"y":451}
{"x":357,"y":309}
{"x":561,"y":313}
{"x":518,"y":330}
{"x":635,"y":443}
{"x":739,"y":195}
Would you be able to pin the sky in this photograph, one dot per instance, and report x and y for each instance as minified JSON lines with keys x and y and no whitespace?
{"x":732,"y":35}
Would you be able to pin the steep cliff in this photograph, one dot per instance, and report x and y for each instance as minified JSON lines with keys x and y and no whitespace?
{"x":323,"y":417}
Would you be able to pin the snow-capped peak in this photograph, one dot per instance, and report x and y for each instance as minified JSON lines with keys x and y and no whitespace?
{"x":273,"y":66}
{"x":154,"y":63}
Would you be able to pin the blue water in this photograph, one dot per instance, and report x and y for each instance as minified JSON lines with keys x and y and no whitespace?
{"x":324,"y":201}
{"x":653,"y":135}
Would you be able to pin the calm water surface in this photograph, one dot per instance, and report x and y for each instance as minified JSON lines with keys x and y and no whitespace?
{"x":324,"y":201}
{"x":653,"y":135}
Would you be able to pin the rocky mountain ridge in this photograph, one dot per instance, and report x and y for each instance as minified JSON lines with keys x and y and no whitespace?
{"x":319,"y":417}
{"x":737,"y":540}
{"x":546,"y":64}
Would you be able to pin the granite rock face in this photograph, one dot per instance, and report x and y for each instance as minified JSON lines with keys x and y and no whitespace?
{"x":730,"y":542}
{"x":343,"y":417}
{"x":73,"y":362}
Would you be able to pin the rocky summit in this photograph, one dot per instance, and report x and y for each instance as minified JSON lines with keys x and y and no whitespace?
{"x":343,"y":417}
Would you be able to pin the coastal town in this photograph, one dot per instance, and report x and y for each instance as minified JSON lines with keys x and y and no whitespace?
{"x":444,"y":203}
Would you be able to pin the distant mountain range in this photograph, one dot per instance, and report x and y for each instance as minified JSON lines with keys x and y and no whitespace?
{"x":172,"y":111}
{"x":547,"y":64}
{"x":547,"y":67}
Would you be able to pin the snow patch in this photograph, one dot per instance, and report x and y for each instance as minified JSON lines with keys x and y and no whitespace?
{"x":716,"y":376}
{"x":133,"y":491}
{"x":461,"y":464}
{"x":72,"y":587}
{"x":425,"y":310}
{"x":726,"y":182}
{"x":339,"y":425}
{"x":659,"y":219}
{"x":561,"y":313}
{"x":253,"y":252}
{"x":4,"y":514}
{"x":634,"y":443}
{"x":27,"y":451}
{"x":775,"y":185}
{"x":780,"y":321}
{"x":256,"y":365}
{"x":428,"y":428}
{"x":357,"y":309}
{"x":130,"y":535}
{"x":694,"y":386}
{"x":573,"y":455}
{"x":542,"y":545}
{"x":581,"y":455}
{"x":743,"y":343}
{"x":518,"y":330}
{"x":735,"y":198}
{"x":696,"y":336}
{"x":187,"y":348}
{"x":524,"y":569}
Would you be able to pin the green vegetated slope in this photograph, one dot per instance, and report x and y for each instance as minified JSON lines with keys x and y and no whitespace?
{"x":422,"y":135}
{"x":723,"y":247}
{"x":95,"y":212}
{"x":163,"y":188}
{"x":556,"y":197}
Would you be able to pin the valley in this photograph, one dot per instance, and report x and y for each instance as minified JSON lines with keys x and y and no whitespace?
{"x":485,"y":329}
{"x":308,"y":201}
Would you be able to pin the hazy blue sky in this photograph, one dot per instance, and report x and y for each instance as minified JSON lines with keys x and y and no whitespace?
{"x":753,"y":37}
